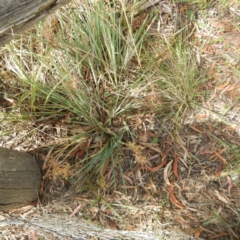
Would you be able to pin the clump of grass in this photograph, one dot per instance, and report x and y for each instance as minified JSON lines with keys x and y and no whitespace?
{"x":81,"y":76}
{"x":179,"y":82}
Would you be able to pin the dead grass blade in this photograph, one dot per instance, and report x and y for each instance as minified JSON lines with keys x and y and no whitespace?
{"x":181,"y":144}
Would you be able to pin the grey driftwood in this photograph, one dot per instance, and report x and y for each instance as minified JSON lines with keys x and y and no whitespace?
{"x":59,"y":227}
{"x":18,"y":16}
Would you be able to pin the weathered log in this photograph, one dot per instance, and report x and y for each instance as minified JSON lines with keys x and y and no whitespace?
{"x":62,"y":227}
{"x":20,"y":179}
{"x":18,"y":16}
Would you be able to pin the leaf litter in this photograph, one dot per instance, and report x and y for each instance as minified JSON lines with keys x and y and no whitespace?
{"x":190,"y":181}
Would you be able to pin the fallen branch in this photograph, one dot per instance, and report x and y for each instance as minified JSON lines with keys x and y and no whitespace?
{"x":63,"y":227}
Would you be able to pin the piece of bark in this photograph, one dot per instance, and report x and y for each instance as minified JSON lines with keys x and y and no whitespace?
{"x":18,"y":16}
{"x":20,"y":179}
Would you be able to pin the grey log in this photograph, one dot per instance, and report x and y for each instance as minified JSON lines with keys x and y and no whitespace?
{"x":18,"y":16}
{"x":20,"y":179}
{"x":62,"y":227}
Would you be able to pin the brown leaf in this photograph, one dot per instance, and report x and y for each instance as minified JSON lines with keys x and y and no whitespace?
{"x":112,"y":224}
{"x":42,"y":187}
{"x":81,"y":152}
{"x":197,"y":233}
{"x":223,"y":85}
{"x":128,"y":179}
{"x":219,"y":235}
{"x":76,"y":210}
{"x":210,"y":127}
{"x":139,"y":176}
{"x":154,"y":169}
{"x":153,"y":157}
{"x":222,"y":197}
{"x":166,"y":172}
{"x":105,"y":166}
{"x":201,"y":116}
{"x":233,"y":87}
{"x":229,"y":180}
{"x":175,"y":167}
{"x":173,"y":199}
{"x":221,"y":158}
{"x":46,"y":159}
{"x":167,"y":151}
{"x":197,"y":130}
{"x":219,"y":170}
{"x":183,"y":9}
{"x":181,"y":220}
{"x":216,"y":24}
{"x":164,"y":161}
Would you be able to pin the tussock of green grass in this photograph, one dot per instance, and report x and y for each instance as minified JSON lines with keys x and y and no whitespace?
{"x":84,"y":73}
{"x":180,"y":82}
